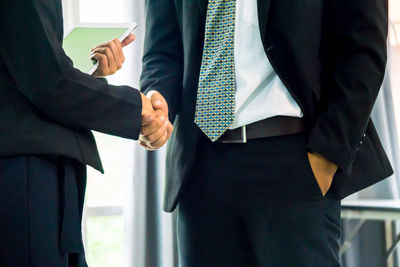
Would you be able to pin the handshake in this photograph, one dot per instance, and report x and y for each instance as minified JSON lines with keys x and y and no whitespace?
{"x":156,"y":127}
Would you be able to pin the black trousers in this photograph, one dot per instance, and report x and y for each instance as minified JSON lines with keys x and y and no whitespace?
{"x":257,"y":204}
{"x":41,"y":201}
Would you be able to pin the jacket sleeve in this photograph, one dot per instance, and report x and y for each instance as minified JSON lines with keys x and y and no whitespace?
{"x":357,"y":36}
{"x":163,"y":60}
{"x":46,"y":77}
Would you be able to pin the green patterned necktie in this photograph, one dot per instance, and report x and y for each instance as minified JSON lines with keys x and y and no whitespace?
{"x":215,"y":108}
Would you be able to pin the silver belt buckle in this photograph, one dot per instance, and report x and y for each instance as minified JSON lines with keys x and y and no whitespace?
{"x":243,"y":139}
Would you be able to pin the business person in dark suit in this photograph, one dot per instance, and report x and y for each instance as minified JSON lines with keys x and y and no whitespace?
{"x":47,"y":109}
{"x":271,"y":103}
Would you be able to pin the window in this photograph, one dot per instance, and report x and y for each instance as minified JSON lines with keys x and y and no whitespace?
{"x":394,"y":40}
{"x":394,"y":8}
{"x":103,"y":224}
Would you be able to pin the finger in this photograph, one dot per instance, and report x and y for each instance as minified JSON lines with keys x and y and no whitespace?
{"x":160,"y":142}
{"x":155,"y":135}
{"x":150,"y":128}
{"x":120,"y":52}
{"x":107,"y":52}
{"x":147,"y":119}
{"x":128,"y":40}
{"x":102,"y":69}
{"x":101,"y":45}
{"x":116,"y":50}
{"x":114,"y":42}
{"x":154,"y":126}
{"x":143,"y":144}
{"x":159,"y":102}
{"x":110,"y":58}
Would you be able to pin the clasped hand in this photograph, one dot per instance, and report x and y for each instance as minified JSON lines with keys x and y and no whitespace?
{"x":156,"y":127}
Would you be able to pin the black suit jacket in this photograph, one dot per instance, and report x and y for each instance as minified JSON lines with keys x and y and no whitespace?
{"x":330,"y":54}
{"x":46,"y":105}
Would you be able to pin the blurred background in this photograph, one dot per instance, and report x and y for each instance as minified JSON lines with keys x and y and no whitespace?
{"x":123,"y":220}
{"x":116,"y":216}
{"x":394,"y":7}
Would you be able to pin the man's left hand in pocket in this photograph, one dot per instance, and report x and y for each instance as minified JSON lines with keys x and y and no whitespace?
{"x":323,"y":170}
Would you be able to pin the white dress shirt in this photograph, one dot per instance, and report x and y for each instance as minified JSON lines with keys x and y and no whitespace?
{"x":260,"y":94}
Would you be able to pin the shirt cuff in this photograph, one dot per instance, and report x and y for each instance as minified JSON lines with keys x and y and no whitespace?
{"x":150,"y":93}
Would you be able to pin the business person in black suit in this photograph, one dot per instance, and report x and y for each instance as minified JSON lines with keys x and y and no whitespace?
{"x":271,"y":103}
{"x":47,"y":109}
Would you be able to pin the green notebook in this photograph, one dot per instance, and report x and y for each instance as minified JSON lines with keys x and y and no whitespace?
{"x":79,"y":42}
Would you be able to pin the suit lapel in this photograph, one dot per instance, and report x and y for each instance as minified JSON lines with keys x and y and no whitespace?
{"x":263,"y":7}
{"x":203,"y":4}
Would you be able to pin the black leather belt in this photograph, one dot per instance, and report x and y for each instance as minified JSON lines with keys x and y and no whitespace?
{"x":275,"y":126}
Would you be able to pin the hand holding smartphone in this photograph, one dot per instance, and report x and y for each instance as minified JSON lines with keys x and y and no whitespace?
{"x":85,"y":36}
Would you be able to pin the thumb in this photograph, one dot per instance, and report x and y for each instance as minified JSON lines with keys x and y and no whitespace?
{"x":159,"y":102}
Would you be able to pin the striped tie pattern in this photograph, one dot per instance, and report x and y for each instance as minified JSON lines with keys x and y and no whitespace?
{"x":215,"y":105}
